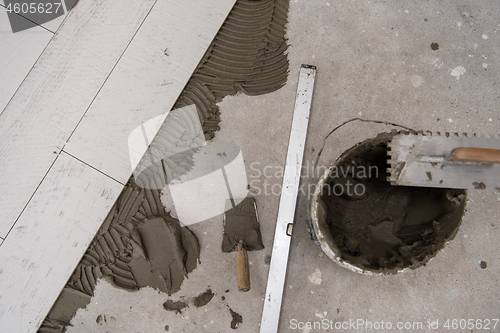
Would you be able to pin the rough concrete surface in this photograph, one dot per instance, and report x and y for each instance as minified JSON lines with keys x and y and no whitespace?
{"x":425,"y":65}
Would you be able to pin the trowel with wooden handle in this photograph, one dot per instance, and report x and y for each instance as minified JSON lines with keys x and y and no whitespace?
{"x":242,"y":234}
{"x":449,"y":160}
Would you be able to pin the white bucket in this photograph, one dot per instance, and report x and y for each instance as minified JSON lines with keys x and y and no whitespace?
{"x":320,"y":232}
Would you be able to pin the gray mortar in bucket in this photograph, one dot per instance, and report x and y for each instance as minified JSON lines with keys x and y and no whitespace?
{"x":435,"y":215}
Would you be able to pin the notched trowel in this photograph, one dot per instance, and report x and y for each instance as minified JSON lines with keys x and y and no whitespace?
{"x":449,"y":161}
{"x":242,"y":234}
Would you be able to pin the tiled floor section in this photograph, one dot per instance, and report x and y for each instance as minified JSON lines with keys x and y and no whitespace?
{"x":103,"y":57}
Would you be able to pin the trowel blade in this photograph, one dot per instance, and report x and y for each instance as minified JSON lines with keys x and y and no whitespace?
{"x":241,"y":223}
{"x":407,"y":168}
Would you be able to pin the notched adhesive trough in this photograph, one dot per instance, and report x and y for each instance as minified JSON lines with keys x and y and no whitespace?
{"x":247,"y":55}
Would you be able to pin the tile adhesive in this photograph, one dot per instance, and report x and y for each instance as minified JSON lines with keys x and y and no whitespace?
{"x":386,"y":228}
{"x":139,"y":244}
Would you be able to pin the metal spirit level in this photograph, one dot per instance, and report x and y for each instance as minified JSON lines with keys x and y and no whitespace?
{"x":288,"y":200}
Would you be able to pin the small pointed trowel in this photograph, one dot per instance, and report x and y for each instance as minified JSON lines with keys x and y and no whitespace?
{"x":242,"y":234}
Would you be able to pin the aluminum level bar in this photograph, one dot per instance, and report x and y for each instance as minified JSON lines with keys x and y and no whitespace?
{"x":288,"y":200}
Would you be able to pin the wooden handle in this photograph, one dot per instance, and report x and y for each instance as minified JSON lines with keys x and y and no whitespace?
{"x":478,"y":155}
{"x":242,"y":269}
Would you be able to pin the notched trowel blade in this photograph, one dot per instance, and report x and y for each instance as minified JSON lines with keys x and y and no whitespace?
{"x":409,"y":164}
{"x":241,"y":223}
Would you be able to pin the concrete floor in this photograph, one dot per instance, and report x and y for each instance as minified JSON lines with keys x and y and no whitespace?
{"x":374,"y":61}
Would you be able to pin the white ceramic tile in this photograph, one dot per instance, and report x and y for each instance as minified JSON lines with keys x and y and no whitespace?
{"x":146,"y":82}
{"x":56,"y":94}
{"x":18,"y":53}
{"x":48,"y":240}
